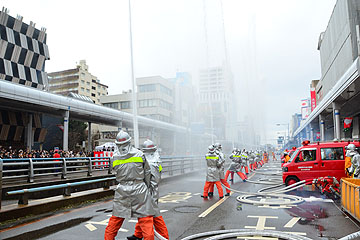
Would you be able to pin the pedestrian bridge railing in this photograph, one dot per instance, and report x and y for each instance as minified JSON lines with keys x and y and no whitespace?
{"x":17,"y":172}
{"x":24,"y":193}
{"x":30,"y":169}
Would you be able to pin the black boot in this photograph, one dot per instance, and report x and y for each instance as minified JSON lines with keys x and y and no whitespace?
{"x":210,"y":194}
{"x":133,"y":238}
{"x":227,"y":194}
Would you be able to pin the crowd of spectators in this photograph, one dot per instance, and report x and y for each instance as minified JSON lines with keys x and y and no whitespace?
{"x":9,"y":152}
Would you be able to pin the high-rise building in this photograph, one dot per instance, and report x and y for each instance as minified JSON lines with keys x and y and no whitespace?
{"x":78,"y":81}
{"x":217,"y":101}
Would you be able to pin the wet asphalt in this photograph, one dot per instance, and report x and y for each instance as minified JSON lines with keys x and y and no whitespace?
{"x":186,"y":213}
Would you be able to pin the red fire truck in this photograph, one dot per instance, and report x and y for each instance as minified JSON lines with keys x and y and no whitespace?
{"x":314,"y":160}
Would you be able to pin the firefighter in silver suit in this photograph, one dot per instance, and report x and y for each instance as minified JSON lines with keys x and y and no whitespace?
{"x":153,"y":157}
{"x":133,"y":192}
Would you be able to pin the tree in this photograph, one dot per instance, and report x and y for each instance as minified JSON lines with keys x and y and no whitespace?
{"x":77,"y":133}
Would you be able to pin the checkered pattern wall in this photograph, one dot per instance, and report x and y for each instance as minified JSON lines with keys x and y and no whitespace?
{"x":23,"y":52}
{"x":12,"y":126}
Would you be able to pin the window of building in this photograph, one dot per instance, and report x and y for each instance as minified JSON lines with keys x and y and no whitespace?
{"x":93,"y":95}
{"x":114,"y":105}
{"x":83,"y":89}
{"x":93,"y":88}
{"x":147,"y":88}
{"x":88,"y":90}
{"x":94,"y":81}
{"x":165,"y":105}
{"x":88,"y":83}
{"x":83,"y":82}
{"x":148,"y":103}
{"x":165,"y":90}
{"x":125,"y":105}
{"x":164,"y":118}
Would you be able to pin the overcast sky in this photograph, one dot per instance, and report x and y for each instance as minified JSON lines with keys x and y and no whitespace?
{"x":272,"y":45}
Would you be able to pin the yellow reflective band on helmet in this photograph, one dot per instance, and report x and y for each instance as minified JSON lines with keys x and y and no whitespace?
{"x":212,"y":157}
{"x":129,"y":160}
{"x":160,"y":168}
{"x":237,"y":156}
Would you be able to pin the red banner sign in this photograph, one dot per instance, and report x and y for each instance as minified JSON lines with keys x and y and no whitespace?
{"x":313,"y":98}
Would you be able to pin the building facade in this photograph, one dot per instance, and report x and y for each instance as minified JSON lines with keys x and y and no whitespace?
{"x":79,"y":81}
{"x":337,"y":92}
{"x":23,"y":52}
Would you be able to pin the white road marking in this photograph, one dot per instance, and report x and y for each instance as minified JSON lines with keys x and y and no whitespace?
{"x":163,"y":211}
{"x":261,"y":222}
{"x":315,"y":199}
{"x":210,"y":209}
{"x":90,"y":227}
{"x":292,"y":222}
{"x":175,"y":197}
{"x":258,"y":237}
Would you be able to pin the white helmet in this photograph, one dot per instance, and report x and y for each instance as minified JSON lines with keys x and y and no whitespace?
{"x":122,"y":138}
{"x":148,"y":145}
{"x":218,"y":146}
{"x":350,"y":147}
{"x":211,"y":149}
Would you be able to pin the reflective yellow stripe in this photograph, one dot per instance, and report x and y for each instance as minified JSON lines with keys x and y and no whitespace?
{"x":129,"y":160}
{"x":237,"y":156}
{"x":160,"y":168}
{"x":212,"y":157}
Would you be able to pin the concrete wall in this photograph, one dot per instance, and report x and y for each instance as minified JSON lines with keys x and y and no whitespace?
{"x":336,"y":47}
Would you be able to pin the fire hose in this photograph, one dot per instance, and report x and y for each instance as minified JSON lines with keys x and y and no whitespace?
{"x":232,"y":233}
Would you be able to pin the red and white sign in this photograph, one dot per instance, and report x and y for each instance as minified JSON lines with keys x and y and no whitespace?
{"x":304,"y":103}
{"x":313,"y":98}
{"x":347,"y":122}
{"x":318,"y":135}
{"x":101,"y":154}
{"x":305,"y":110}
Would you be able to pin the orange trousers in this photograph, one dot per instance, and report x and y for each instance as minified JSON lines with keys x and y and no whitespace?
{"x":159,"y":225}
{"x":241,"y":175}
{"x":209,"y":184}
{"x":115,"y":223}
{"x":246,"y":169}
{"x":211,"y":189}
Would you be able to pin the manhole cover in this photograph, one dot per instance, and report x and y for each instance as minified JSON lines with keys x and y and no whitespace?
{"x":186,"y":209}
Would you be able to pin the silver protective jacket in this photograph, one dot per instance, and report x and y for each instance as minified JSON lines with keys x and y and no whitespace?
{"x":235,"y":163}
{"x":213,"y":164}
{"x":244,"y":159}
{"x":154,"y":161}
{"x":252,"y":158}
{"x":221,"y":164}
{"x":257,"y":157}
{"x":133,"y":192}
{"x":355,"y":162}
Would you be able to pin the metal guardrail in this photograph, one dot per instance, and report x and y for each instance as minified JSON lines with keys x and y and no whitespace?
{"x":31,"y":170}
{"x":24,"y":193}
